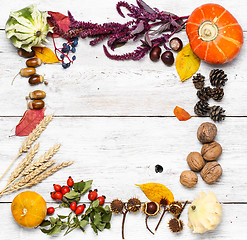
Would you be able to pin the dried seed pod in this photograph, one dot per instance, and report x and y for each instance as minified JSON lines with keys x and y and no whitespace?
{"x":36,"y":104}
{"x":37,"y":94}
{"x":176,"y":225}
{"x":36,"y":79}
{"x":27,"y":72}
{"x":23,"y":53}
{"x":117,"y":206}
{"x":33,"y":62}
{"x":175,"y":208}
{"x":151,"y":208}
{"x":133,"y":205}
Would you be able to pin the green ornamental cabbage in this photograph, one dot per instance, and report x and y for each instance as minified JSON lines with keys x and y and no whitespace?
{"x":28,"y":27}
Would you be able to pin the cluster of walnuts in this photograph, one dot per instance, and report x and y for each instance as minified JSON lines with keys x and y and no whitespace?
{"x":204,"y":162}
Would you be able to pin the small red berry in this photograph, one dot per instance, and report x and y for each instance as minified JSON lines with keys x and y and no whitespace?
{"x":57,"y":187}
{"x":58,"y":195}
{"x":79,"y":210}
{"x":93,"y":195}
{"x":50,"y":210}
{"x":70,"y":182}
{"x":65,"y":190}
{"x":53,"y":195}
{"x":73,"y":206}
{"x":101,"y":200}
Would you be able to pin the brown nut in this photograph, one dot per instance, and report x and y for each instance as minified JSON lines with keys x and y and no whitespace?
{"x":37,"y":94}
{"x":33,"y":62}
{"x":211,"y":151}
{"x":23,"y":53}
{"x":188,"y":178}
{"x":36,"y":79}
{"x":195,"y":161}
{"x":206,"y":132}
{"x":211,"y":172}
{"x":36,"y":104}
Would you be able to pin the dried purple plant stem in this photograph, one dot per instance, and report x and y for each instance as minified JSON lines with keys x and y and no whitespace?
{"x":144,"y":20}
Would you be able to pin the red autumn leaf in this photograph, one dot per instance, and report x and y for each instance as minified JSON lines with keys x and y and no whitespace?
{"x":30,"y":119}
{"x":62,"y":21}
{"x":181,"y":114}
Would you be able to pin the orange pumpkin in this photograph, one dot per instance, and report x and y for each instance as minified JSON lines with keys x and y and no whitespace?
{"x":214,"y":34}
{"x":29,"y":209}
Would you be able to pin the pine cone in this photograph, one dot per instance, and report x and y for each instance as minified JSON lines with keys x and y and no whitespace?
{"x":218,"y":77}
{"x":217,"y":113}
{"x":198,"y":81}
{"x":201,"y":108}
{"x":217,"y":94}
{"x":205,"y":93}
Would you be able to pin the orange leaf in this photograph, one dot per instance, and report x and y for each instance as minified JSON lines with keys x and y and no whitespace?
{"x":45,"y":54}
{"x":181,"y":114}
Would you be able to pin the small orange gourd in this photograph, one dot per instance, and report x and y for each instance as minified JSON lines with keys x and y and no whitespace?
{"x":29,"y":209}
{"x":214,"y":34}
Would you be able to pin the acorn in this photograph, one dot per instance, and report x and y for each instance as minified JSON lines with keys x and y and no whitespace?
{"x":23,"y":53}
{"x":175,"y":208}
{"x":36,"y":104}
{"x":37,"y":94}
{"x":36,"y":79}
{"x":33,"y":62}
{"x":27,"y":72}
{"x":117,"y":206}
{"x":151,"y":208}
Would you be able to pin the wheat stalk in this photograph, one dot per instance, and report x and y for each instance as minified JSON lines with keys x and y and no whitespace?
{"x":35,"y":134}
{"x":40,"y":177}
{"x":23,"y":164}
{"x":41,"y":160}
{"x":30,"y":139}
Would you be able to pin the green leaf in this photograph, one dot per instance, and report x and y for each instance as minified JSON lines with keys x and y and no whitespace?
{"x":53,"y":221}
{"x":72,"y":195}
{"x":97,"y":218}
{"x":45,"y":223}
{"x":94,"y":228}
{"x":45,"y":230}
{"x":87,"y":186}
{"x":65,"y":205}
{"x":55,"y":230}
{"x":100,"y":209}
{"x":84,"y":223}
{"x":89,"y":210}
{"x":62,"y":217}
{"x":107,"y":217}
{"x":100,"y":226}
{"x":82,"y":187}
{"x":107,"y":208}
{"x":108,"y":225}
{"x":95,"y":203}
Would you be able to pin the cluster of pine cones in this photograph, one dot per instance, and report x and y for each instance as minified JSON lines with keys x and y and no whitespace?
{"x":217,"y":79}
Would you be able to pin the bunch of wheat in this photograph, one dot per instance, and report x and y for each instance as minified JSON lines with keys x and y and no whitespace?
{"x":30,"y":172}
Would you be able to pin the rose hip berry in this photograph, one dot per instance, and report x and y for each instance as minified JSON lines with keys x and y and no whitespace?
{"x":50,"y":210}
{"x":101,"y":200}
{"x":93,"y":195}
{"x":65,"y":190}
{"x":73,"y":206}
{"x":70,"y":182}
{"x":57,"y":187}
{"x":58,"y":195}
{"x":53,"y":195}
{"x":79,"y":210}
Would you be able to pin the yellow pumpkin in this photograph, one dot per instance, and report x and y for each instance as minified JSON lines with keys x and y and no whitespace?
{"x":29,"y":209}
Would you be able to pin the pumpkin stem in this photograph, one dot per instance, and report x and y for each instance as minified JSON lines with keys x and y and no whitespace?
{"x":38,"y":33}
{"x":208,"y":31}
{"x":24,"y":212}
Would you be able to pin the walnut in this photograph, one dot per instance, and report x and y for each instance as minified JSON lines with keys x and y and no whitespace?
{"x":195,"y":161}
{"x":211,"y":172}
{"x":206,"y":132}
{"x":211,"y":151}
{"x":188,"y":178}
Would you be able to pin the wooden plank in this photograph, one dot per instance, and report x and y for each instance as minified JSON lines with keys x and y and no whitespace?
{"x":232,"y":227}
{"x":95,"y":85}
{"x":119,"y":152}
{"x":98,"y":11}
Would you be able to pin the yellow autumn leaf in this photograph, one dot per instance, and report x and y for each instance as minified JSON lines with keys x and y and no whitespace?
{"x":156,"y":192}
{"x":187,"y":63}
{"x":45,"y":54}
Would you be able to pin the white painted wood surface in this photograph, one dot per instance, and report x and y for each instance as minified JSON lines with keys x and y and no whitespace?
{"x":115,"y":120}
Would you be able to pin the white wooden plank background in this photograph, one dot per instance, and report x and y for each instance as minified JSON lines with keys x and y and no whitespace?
{"x":115,"y":120}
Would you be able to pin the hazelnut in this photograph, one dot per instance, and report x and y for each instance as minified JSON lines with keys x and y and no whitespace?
{"x":211,"y":151}
{"x":206,"y":132}
{"x":188,"y":178}
{"x":211,"y":172}
{"x":195,"y":161}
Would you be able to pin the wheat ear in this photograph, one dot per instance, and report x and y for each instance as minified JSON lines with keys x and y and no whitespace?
{"x":30,"y":139}
{"x":41,"y":160}
{"x":41,"y":176}
{"x":23,"y":164}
